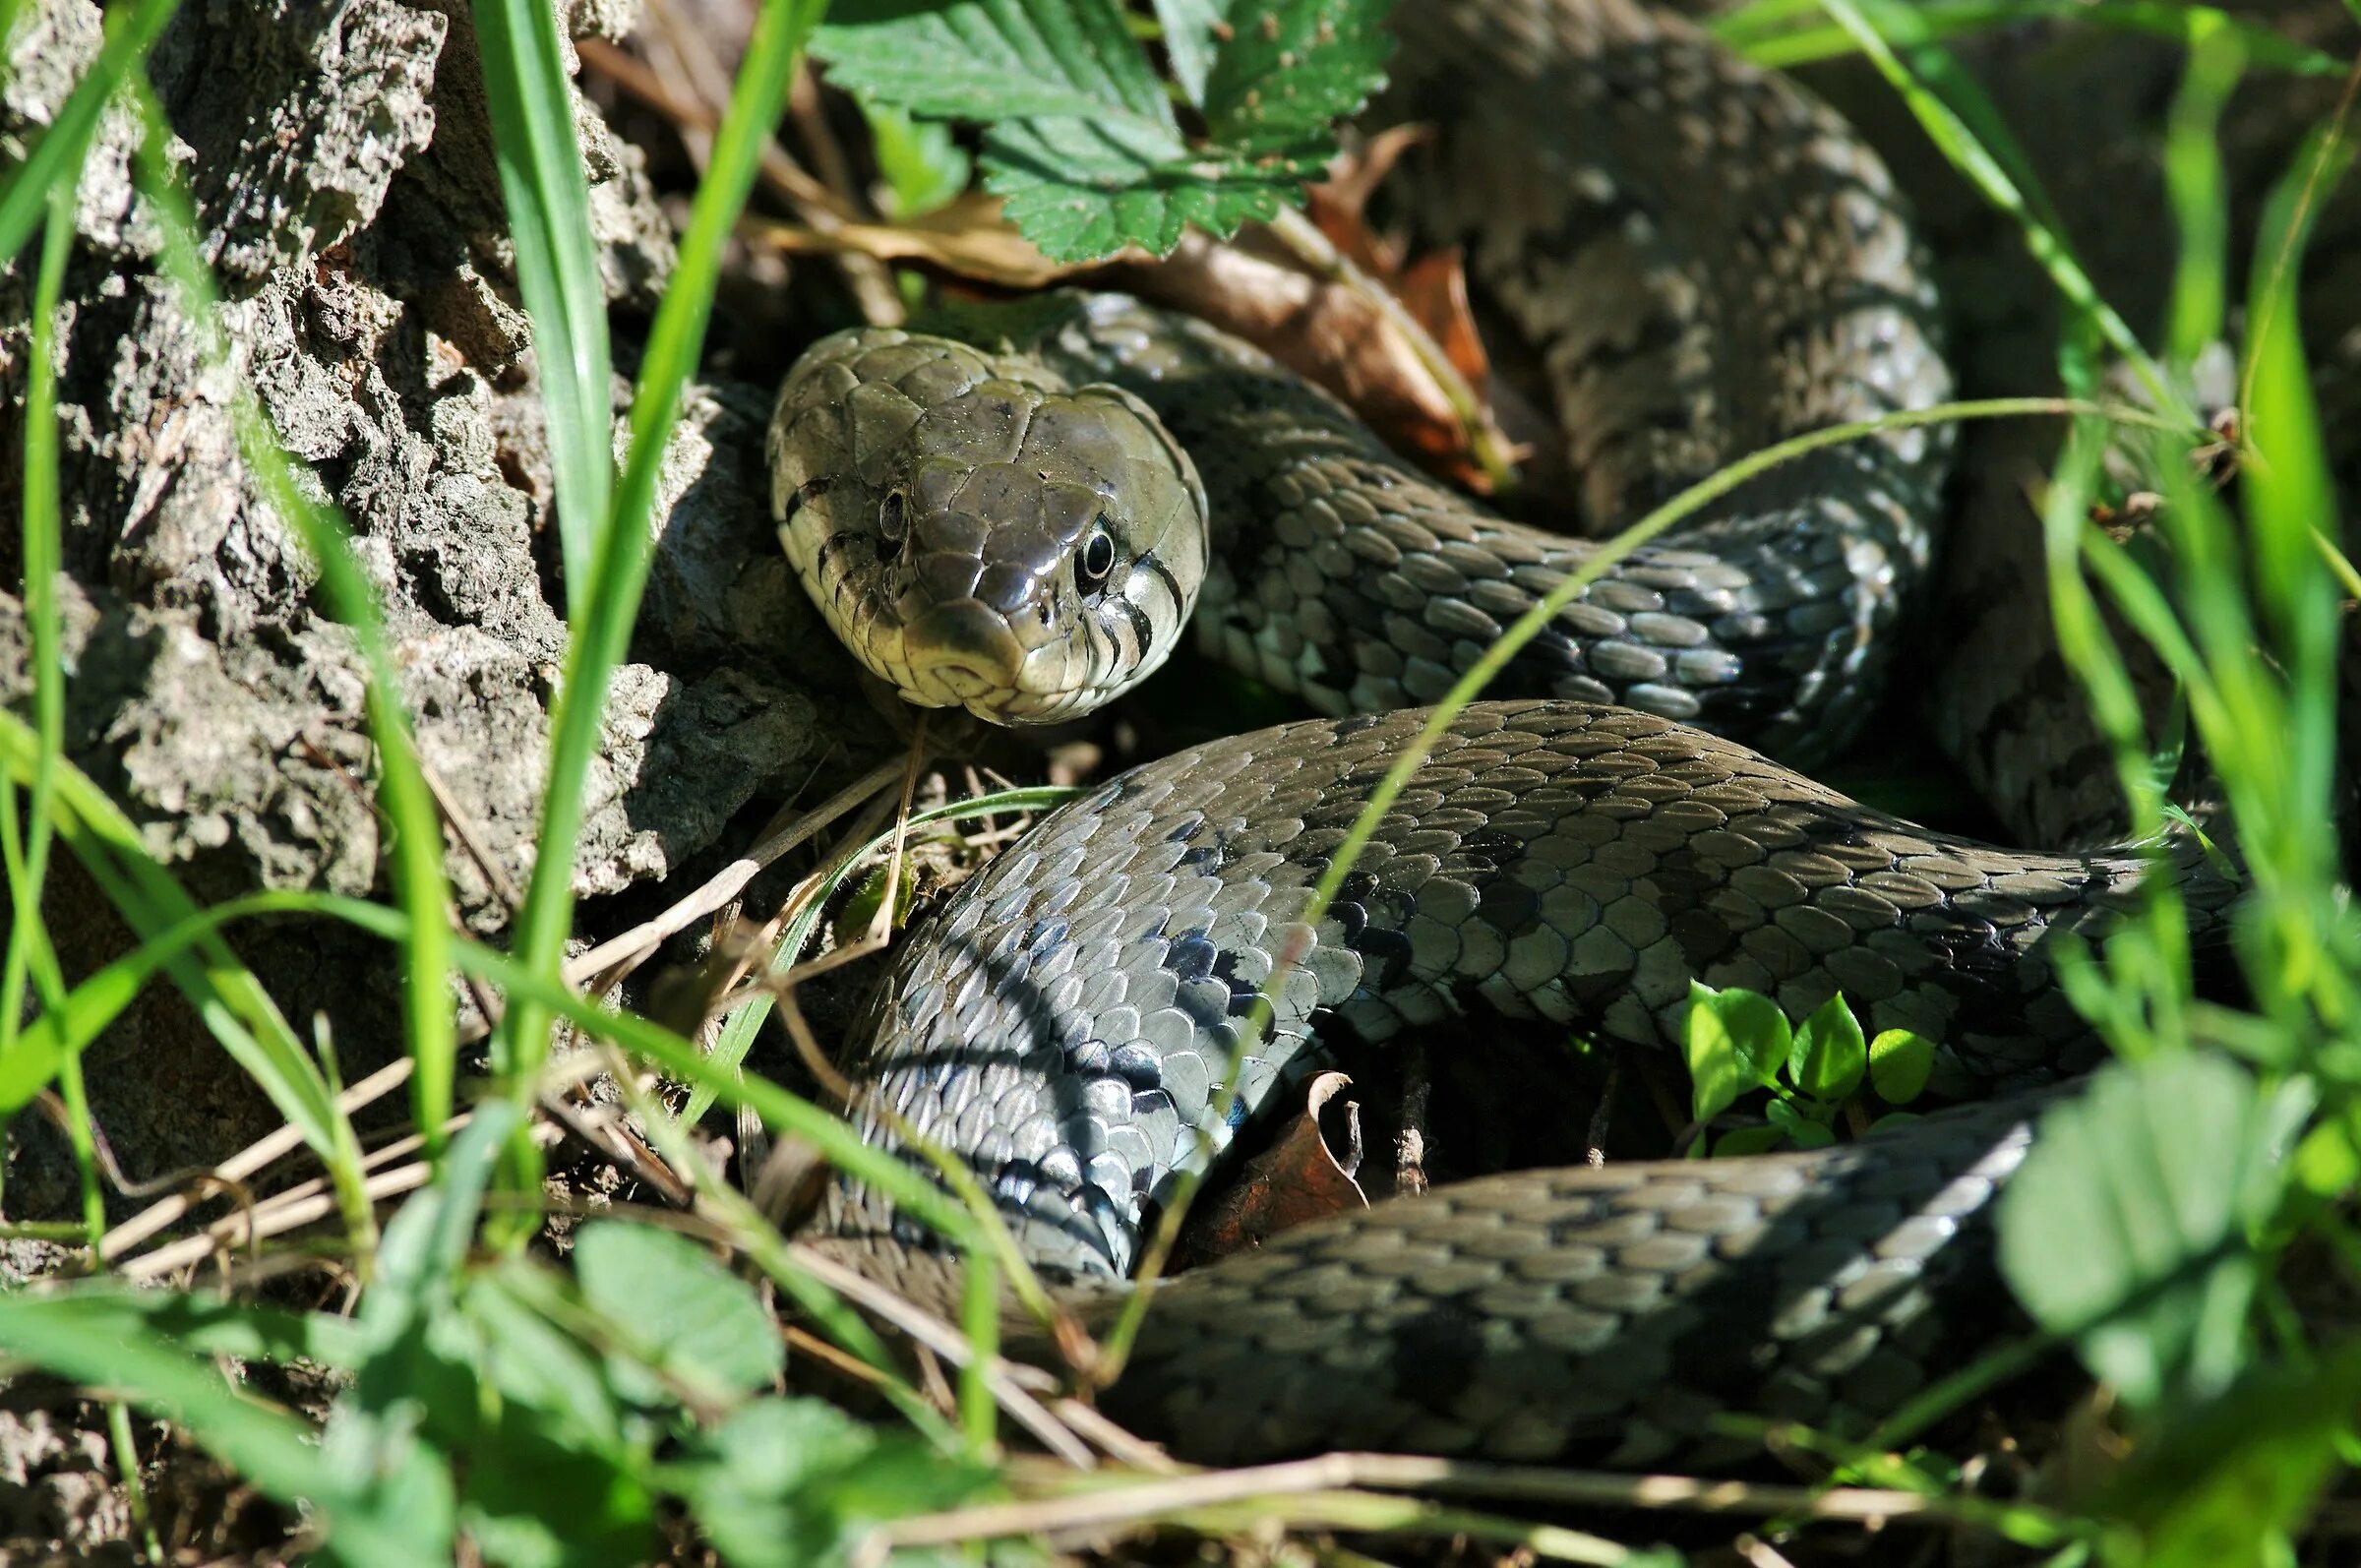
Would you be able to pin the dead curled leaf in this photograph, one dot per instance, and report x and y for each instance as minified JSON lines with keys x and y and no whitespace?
{"x":1295,"y":1181}
{"x":967,"y":238}
{"x":1326,"y":330}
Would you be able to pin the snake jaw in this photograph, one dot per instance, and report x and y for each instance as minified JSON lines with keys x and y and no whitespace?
{"x":963,"y":655}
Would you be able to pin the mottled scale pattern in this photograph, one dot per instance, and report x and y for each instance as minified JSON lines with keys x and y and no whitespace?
{"x":1064,"y":1024}
{"x":1696,"y":260}
{"x":1600,"y":1317}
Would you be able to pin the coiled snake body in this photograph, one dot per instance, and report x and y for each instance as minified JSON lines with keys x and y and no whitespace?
{"x":1699,"y":260}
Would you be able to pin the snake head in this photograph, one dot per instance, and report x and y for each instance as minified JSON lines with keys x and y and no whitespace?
{"x":980,"y":534}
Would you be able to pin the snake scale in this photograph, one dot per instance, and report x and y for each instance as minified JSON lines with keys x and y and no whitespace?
{"x":1698,"y":260}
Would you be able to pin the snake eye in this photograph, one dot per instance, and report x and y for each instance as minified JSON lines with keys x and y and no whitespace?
{"x":1096,"y":564}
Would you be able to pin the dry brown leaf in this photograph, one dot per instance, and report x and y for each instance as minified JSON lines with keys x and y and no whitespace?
{"x":1339,"y":205}
{"x":1326,"y":330}
{"x":1296,"y":1180}
{"x":967,"y":238}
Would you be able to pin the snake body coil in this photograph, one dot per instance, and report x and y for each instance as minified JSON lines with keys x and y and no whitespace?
{"x":1699,"y":260}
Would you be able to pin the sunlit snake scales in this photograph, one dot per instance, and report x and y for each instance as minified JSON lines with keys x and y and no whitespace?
{"x":1697,"y":260}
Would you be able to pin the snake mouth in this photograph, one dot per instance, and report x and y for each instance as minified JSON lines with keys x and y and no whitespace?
{"x":963,"y":655}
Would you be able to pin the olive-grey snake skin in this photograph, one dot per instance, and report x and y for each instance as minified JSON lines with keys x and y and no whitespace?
{"x":1699,"y":260}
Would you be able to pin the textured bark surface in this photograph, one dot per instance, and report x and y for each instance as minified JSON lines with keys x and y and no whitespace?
{"x":341,"y":161}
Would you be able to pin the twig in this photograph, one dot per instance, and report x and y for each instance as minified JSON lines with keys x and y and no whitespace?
{"x":245,"y":1163}
{"x":728,"y":883}
{"x":1341,"y":1471}
{"x":782,"y":988}
{"x":1594,"y":1141}
{"x":1410,"y":1138}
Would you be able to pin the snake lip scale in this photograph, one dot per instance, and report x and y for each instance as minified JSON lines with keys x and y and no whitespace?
{"x":1024,"y":519}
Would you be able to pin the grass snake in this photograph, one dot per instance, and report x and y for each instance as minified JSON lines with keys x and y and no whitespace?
{"x":1695,"y":260}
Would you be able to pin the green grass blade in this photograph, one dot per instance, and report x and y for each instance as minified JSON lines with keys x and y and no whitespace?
{"x":602,"y":627}
{"x":57,"y":156}
{"x":27,"y":857}
{"x":548,"y":198}
{"x":416,"y":853}
{"x":79,"y":1017}
{"x":2290,"y":508}
{"x":737,"y":1035}
{"x":231,"y":1003}
{"x":1985,"y":170}
{"x":2147,"y":981}
{"x":680,"y":1057}
{"x":2200,"y":194}
{"x":207,"y":1325}
{"x":1784,"y":33}
{"x":113,"y":1350}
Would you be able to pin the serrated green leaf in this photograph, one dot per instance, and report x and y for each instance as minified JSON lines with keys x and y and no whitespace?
{"x":1735,"y":1040}
{"x":1081,"y":143}
{"x":1193,"y":35}
{"x":992,"y":60}
{"x":1289,"y":68}
{"x":707,"y":1324}
{"x":1900,"y":1063}
{"x":1080,"y":189}
{"x":2127,"y":1227}
{"x":1829,"y":1056}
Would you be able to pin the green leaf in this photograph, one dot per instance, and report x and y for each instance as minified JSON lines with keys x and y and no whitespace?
{"x":1081,"y":189}
{"x":2127,"y":1227}
{"x":1081,"y":143}
{"x":991,"y":60}
{"x":788,"y":1482}
{"x":1748,"y":1140}
{"x":1735,"y":1040}
{"x":1193,"y":35}
{"x":1803,"y":1131}
{"x":533,"y":1362}
{"x":533,"y":1500}
{"x":1900,"y":1063}
{"x":1289,"y":68}
{"x":393,"y":1513}
{"x":207,"y":1325}
{"x":2225,"y":1482}
{"x":923,"y":166}
{"x":1828,"y":1056}
{"x":707,"y":1324}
